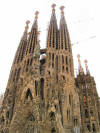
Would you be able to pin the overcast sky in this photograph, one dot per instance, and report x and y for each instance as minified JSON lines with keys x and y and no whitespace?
{"x":83,"y":22}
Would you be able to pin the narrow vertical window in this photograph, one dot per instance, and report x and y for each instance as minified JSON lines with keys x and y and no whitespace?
{"x":94,"y":128}
{"x":36,"y":87}
{"x":52,"y":57}
{"x":66,"y":60}
{"x":69,"y":99}
{"x":62,"y":59}
{"x":53,"y":130}
{"x":88,"y":127}
{"x":56,"y":62}
{"x":86,"y":113}
{"x":42,"y":88}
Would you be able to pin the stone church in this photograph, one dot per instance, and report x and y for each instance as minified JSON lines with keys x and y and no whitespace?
{"x":42,"y":94}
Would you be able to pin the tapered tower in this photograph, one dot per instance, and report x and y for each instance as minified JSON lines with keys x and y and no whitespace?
{"x":7,"y":108}
{"x":89,"y":100}
{"x":42,"y":94}
{"x":59,"y":89}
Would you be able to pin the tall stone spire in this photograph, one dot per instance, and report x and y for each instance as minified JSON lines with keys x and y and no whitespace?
{"x":53,"y":16}
{"x":15,"y":71}
{"x":64,"y":34}
{"x":32,"y":41}
{"x":52,"y":41}
{"x":80,"y":66}
{"x":21,"y":49}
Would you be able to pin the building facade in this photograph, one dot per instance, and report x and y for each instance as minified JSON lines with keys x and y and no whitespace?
{"x":42,"y":94}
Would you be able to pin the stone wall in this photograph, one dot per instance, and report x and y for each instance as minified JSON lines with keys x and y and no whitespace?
{"x":1,"y":99}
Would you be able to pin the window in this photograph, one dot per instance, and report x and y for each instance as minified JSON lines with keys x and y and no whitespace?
{"x":53,"y":130}
{"x":63,"y":77}
{"x":66,"y":60}
{"x":68,"y":114}
{"x":7,"y":114}
{"x":36,"y":87}
{"x":66,"y":69}
{"x":53,"y":42}
{"x":56,"y":62}
{"x":27,"y":62}
{"x":29,"y":94}
{"x":70,"y":65}
{"x":75,"y":121}
{"x":62,"y":59}
{"x":69,"y":99}
{"x":62,"y":68}
{"x":52,"y":116}
{"x":65,"y":38}
{"x":49,"y":56}
{"x":86,"y":113}
{"x":52,"y":57}
{"x":42,"y":88}
{"x":88,"y":127}
{"x":93,"y":127}
{"x":52,"y":65}
{"x":31,"y":117}
{"x":2,"y":119}
{"x":31,"y":62}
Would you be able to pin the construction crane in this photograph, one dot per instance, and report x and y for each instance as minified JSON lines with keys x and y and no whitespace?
{"x":91,"y":37}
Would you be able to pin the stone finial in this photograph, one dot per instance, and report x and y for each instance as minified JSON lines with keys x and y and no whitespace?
{"x":36,"y":15}
{"x":86,"y":66}
{"x":80,"y":66}
{"x":27,"y":23}
{"x":53,"y":7}
{"x":62,"y":10}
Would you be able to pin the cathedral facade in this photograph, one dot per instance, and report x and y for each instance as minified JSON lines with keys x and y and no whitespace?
{"x":42,"y":94}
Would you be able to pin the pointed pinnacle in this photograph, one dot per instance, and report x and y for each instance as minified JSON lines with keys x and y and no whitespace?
{"x":86,"y":66}
{"x":62,"y":10}
{"x":79,"y":61}
{"x":27,"y":23}
{"x":53,"y":7}
{"x":36,"y":15}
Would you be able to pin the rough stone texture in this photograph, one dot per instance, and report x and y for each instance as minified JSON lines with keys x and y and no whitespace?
{"x":1,"y":99}
{"x":89,"y":103}
{"x":42,"y":94}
